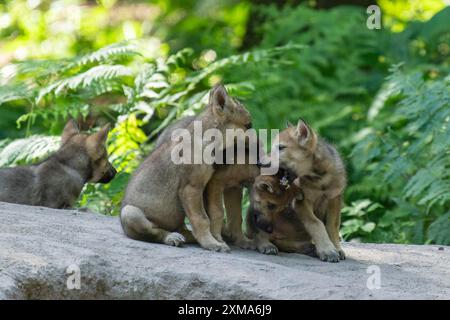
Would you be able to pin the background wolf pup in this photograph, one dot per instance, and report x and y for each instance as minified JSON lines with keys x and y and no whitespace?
{"x":161,"y":193}
{"x":322,"y":180}
{"x":224,"y":188}
{"x":57,"y":181}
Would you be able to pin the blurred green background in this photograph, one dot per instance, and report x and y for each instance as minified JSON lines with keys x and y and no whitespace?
{"x":381,"y":96}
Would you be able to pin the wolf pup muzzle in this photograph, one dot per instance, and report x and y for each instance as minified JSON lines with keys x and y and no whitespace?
{"x":262,"y":223}
{"x":108,"y":176}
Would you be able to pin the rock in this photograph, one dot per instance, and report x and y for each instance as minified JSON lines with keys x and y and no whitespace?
{"x":41,"y":250}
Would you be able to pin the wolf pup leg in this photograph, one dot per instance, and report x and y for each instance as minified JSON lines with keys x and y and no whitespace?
{"x":260,"y":238}
{"x":214,"y":207}
{"x":294,"y":246}
{"x":316,"y":229}
{"x":333,"y":222}
{"x":233,"y":206}
{"x":191,"y":198}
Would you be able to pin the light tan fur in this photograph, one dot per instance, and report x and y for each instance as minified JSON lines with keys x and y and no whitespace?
{"x":226,"y":187}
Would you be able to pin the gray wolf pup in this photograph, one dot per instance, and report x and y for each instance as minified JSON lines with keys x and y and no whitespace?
{"x":224,"y":188}
{"x":161,"y":193}
{"x":57,"y":181}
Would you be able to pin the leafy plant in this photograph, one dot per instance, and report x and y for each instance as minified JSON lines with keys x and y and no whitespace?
{"x":322,"y":65}
{"x":118,"y":84}
{"x":357,"y":218}
{"x":410,"y":152}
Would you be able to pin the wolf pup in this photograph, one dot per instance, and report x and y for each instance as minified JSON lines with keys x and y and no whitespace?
{"x":57,"y":181}
{"x":161,"y":193}
{"x":271,"y":219}
{"x":227,"y":185}
{"x":322,"y":180}
{"x":224,"y":188}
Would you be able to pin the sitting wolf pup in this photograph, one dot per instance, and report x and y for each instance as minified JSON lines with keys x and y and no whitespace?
{"x":322,"y":181}
{"x":224,"y":188}
{"x":57,"y":181}
{"x":161,"y":193}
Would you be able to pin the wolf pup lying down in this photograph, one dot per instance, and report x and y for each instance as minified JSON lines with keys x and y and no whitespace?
{"x":161,"y":193}
{"x":322,"y":179}
{"x":57,"y":181}
{"x":224,"y":188}
{"x":271,"y":219}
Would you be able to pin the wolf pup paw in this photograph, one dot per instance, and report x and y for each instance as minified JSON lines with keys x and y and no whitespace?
{"x":341,"y":254}
{"x":328,"y":256}
{"x":245,"y":243}
{"x":218,"y":247}
{"x":268,"y":248}
{"x":174,"y":239}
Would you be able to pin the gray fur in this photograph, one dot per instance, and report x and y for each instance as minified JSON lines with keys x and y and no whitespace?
{"x":165,"y":136}
{"x":56,"y":182}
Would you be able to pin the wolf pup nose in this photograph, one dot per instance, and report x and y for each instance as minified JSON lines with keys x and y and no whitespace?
{"x":109,"y":175}
{"x":262,"y":223}
{"x":57,"y":182}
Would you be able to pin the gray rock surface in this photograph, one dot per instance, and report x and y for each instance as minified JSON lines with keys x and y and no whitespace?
{"x":37,"y":245}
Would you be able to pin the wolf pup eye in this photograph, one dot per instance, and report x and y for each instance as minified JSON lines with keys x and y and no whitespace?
{"x":271,"y":206}
{"x":281,"y":147}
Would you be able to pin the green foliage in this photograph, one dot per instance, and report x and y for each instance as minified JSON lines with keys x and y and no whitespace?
{"x":409,"y":150}
{"x":438,"y":230}
{"x":358,"y":222}
{"x":120,"y":84}
{"x":28,"y":150}
{"x":328,"y":82}
{"x":391,"y":127}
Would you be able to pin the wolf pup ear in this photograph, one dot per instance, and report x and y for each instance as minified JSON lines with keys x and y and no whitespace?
{"x":303,"y":132}
{"x":264,"y":186}
{"x":97,"y":140}
{"x":69,"y":131}
{"x":102,"y":135}
{"x":289,"y":124}
{"x":218,"y":97}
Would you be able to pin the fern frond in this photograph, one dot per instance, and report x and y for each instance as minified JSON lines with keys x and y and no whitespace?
{"x":239,"y":59}
{"x":438,"y":230}
{"x":14,"y":92}
{"x":28,"y":150}
{"x":85,"y":79}
{"x":59,"y":110}
{"x":112,"y":52}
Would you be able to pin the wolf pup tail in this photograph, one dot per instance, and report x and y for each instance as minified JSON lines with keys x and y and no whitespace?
{"x":136,"y":226}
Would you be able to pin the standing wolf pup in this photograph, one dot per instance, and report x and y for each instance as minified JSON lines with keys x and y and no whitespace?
{"x":57,"y":181}
{"x":224,"y":188}
{"x":322,"y":182}
{"x":161,"y":193}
